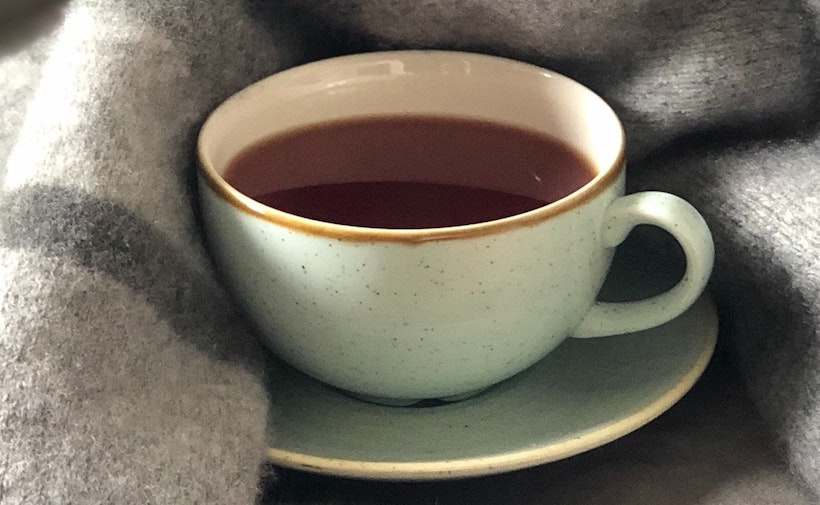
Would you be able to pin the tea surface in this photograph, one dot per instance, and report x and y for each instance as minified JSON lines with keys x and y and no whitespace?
{"x":408,"y":172}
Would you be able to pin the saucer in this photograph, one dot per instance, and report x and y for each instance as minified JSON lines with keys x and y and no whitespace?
{"x":582,"y":395}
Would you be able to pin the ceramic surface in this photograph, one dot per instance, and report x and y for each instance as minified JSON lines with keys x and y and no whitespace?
{"x":582,"y":395}
{"x":409,"y":314}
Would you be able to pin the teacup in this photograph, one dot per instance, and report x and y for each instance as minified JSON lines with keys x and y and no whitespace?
{"x":436,"y":335}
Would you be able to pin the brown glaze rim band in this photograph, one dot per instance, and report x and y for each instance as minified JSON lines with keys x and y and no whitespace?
{"x":362,"y":234}
{"x":221,"y":188}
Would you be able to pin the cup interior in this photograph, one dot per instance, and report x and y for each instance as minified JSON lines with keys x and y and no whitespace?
{"x":417,"y":83}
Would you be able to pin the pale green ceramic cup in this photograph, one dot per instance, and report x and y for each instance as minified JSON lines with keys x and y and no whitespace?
{"x":402,"y":315}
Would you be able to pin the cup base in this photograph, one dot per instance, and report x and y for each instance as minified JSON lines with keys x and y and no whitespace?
{"x":413,"y":402}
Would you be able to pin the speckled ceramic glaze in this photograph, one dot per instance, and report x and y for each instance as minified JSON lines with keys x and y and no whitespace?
{"x":585,"y":393}
{"x":400,"y":315}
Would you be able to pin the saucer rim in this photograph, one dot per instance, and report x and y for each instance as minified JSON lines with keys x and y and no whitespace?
{"x":515,"y":460}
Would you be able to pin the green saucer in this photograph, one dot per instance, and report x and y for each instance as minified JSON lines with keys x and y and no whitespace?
{"x":582,"y":395}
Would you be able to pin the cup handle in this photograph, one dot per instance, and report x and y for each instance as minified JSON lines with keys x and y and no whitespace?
{"x":687,"y":226}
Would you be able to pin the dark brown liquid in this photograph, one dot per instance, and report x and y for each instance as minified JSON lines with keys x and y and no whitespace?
{"x":399,"y":204}
{"x":408,"y":172}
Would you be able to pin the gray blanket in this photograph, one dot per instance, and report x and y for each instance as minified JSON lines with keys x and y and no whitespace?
{"x":128,"y":376}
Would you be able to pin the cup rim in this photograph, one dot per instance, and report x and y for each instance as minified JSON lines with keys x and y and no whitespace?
{"x":208,"y":173}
